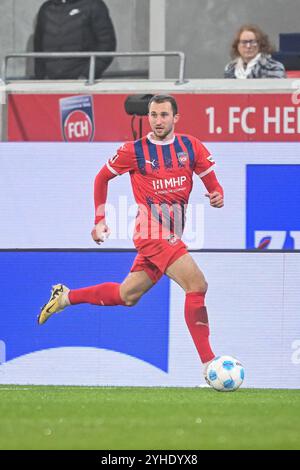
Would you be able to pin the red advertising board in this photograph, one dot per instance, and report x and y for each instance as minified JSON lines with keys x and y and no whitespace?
{"x":210,"y":117}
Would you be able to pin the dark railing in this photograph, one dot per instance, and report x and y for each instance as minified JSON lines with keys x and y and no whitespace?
{"x":92,"y":56}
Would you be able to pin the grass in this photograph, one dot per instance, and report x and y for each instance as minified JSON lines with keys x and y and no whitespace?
{"x":48,"y":417}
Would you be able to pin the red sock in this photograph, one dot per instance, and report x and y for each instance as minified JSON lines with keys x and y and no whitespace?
{"x":196,"y":314}
{"x":101,"y":294}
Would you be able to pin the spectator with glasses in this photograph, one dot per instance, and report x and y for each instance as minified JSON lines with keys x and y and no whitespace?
{"x":251,"y":56}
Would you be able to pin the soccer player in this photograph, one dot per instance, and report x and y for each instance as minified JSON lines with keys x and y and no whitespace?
{"x":161,"y":167}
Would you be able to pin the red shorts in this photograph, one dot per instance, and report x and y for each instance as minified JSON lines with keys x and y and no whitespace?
{"x":154,"y":257}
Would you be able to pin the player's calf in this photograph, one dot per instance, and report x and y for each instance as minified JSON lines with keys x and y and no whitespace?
{"x":197,"y":321}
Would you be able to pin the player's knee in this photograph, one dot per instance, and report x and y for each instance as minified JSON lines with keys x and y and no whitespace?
{"x":131,"y":300}
{"x":131,"y":303}
{"x":198,"y":286}
{"x":204,"y":287}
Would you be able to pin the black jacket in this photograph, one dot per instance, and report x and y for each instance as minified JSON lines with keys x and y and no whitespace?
{"x":72,"y":26}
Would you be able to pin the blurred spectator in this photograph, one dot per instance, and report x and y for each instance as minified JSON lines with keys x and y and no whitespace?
{"x":73,"y":26}
{"x":251,"y":53}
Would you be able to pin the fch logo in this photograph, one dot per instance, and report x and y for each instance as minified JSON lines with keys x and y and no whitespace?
{"x":273,"y":201}
{"x":77,"y":118}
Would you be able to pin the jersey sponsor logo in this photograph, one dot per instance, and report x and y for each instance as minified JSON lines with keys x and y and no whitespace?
{"x":169,"y":183}
{"x":77,"y":118}
{"x":273,"y":201}
{"x":210,"y":159}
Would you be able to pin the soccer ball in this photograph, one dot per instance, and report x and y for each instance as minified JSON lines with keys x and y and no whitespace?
{"x":225,"y":374}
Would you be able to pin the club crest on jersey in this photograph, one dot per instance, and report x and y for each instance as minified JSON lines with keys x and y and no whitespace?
{"x":173,"y":239}
{"x":182,"y":157}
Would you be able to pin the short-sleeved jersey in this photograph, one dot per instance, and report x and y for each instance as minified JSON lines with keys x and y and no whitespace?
{"x":162,"y":174}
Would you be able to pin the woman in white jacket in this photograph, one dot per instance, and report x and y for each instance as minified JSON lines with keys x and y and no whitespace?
{"x":251,"y":53}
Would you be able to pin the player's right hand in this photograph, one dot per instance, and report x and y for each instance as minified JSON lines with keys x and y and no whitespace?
{"x":216,"y":199}
{"x":100,"y":232}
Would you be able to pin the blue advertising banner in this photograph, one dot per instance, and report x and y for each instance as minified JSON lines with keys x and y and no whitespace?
{"x":273,"y":202}
{"x":141,"y":331}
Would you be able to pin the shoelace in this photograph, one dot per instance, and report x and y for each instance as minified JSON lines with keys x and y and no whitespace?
{"x":56,"y":292}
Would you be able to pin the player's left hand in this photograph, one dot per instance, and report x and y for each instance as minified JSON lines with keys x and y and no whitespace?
{"x":216,"y":199}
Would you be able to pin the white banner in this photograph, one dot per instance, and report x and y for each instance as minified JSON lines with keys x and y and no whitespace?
{"x":46,"y":197}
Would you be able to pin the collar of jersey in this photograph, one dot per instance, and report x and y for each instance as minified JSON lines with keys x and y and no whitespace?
{"x":158,"y":142}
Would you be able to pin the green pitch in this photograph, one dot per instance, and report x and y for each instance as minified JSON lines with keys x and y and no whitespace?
{"x":147,"y":418}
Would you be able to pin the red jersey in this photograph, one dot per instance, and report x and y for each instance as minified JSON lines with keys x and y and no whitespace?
{"x":162,"y":179}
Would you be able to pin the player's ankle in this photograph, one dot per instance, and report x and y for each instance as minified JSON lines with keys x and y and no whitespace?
{"x":65,"y":299}
{"x":205,"y":365}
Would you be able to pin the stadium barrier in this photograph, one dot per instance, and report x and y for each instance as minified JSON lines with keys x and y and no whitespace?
{"x":92,"y":56}
{"x":212,"y":110}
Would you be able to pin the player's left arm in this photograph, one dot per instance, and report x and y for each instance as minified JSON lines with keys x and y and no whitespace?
{"x":215,"y":190}
{"x":204,"y":168}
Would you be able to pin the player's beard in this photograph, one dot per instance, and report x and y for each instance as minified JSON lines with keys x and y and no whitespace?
{"x":164,"y":134}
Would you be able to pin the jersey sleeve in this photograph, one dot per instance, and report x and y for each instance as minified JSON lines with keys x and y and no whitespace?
{"x":204,"y":162}
{"x":123,"y":161}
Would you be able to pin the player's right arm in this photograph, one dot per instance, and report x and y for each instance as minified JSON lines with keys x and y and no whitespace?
{"x":101,"y":230}
{"x":119,"y":164}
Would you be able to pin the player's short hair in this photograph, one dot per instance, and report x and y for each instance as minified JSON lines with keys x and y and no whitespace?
{"x":163,"y":99}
